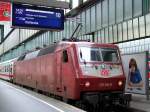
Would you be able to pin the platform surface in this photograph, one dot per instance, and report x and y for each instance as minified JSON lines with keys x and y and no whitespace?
{"x":16,"y":99}
{"x":140,"y":102}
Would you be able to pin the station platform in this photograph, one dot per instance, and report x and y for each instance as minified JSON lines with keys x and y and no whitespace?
{"x":17,"y":99}
{"x":140,"y":102}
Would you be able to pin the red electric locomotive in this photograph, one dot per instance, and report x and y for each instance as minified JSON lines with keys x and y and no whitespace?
{"x":85,"y":71}
{"x":73,"y":70}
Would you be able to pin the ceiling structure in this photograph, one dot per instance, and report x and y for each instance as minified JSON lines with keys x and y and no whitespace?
{"x":49,"y":3}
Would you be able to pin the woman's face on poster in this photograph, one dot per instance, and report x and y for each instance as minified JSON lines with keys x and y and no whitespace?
{"x":132,"y":69}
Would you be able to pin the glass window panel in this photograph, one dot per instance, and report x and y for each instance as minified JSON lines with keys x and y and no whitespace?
{"x":58,"y":36}
{"x":149,"y":4}
{"x":37,"y":42}
{"x":71,"y":27}
{"x":62,"y":34}
{"x":119,"y":10}
{"x":99,"y":37}
{"x":55,"y":38}
{"x":83,"y":22}
{"x":91,"y":38}
{"x":134,"y":49}
{"x":146,"y":47}
{"x":111,"y":12}
{"x":88,"y":22}
{"x":119,"y":32}
{"x":128,"y":9}
{"x":105,"y":13}
{"x":135,"y":28}
{"x":132,"y":43}
{"x":74,"y":25}
{"x":147,"y":40}
{"x":79,"y":19}
{"x":98,"y":16}
{"x":137,"y":49}
{"x":87,"y":37}
{"x":143,"y":48}
{"x":126,"y":50}
{"x":96,"y":36}
{"x":127,"y":44}
{"x":84,"y":0}
{"x":115,"y":33}
{"x":120,"y":45}
{"x":106,"y":35}
{"x":67,"y":29}
{"x":142,"y":26}
{"x":51,"y":37}
{"x":130,"y":30}
{"x":110,"y":34}
{"x":137,"y":4}
{"x":124,"y":31}
{"x":102,"y":36}
{"x":142,"y":42}
{"x":136,"y":43}
{"x":44,"y":38}
{"x":41,"y":39}
{"x":93,"y":16}
{"x":84,"y":37}
{"x":47,"y":36}
{"x":148,"y":25}
{"x":75,"y":3}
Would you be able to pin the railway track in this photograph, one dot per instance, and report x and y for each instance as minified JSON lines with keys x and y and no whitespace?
{"x":115,"y":109}
{"x":124,"y":109}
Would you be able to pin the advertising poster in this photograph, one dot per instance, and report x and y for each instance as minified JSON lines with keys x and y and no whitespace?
{"x":5,"y":9}
{"x":135,"y":68}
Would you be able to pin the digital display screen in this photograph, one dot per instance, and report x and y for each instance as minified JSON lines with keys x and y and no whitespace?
{"x":27,"y":16}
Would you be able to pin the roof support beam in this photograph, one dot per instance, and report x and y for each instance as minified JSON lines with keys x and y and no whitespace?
{"x":48,"y":3}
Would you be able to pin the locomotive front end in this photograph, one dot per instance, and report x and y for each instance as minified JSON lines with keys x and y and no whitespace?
{"x":102,"y":76}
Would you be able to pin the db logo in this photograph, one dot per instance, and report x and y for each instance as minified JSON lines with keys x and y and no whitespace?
{"x":104,"y":72}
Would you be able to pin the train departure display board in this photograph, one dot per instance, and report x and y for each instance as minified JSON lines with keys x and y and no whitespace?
{"x":34,"y":17}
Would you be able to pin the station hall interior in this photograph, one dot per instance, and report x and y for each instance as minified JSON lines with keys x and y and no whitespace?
{"x":124,"y":23}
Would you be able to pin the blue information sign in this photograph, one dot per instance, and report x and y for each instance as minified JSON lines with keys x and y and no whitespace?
{"x":27,"y":16}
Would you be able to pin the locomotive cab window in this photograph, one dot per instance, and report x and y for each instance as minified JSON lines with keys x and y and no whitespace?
{"x":65,"y":56}
{"x":97,"y":54}
{"x":88,"y":54}
{"x":110,"y":55}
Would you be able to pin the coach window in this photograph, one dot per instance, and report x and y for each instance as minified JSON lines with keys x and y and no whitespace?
{"x":65,"y":56}
{"x":5,"y":69}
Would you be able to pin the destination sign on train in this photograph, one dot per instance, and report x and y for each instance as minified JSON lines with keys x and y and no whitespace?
{"x":28,"y":16}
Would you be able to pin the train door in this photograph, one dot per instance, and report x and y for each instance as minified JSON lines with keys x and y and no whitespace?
{"x":59,"y":72}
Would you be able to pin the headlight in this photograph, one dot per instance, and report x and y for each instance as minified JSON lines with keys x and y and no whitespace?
{"x":87,"y":84}
{"x":120,"y":83}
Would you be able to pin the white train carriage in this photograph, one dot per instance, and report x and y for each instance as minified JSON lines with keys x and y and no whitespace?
{"x":6,"y":69}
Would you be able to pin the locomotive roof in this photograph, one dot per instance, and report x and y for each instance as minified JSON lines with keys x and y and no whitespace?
{"x":89,"y":44}
{"x":53,"y":47}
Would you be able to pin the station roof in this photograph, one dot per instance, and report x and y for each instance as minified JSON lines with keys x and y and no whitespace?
{"x":48,"y":3}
